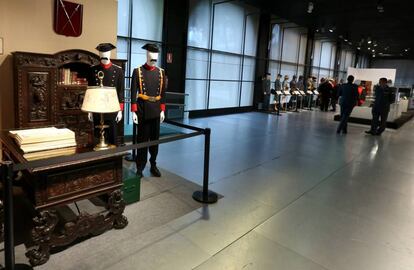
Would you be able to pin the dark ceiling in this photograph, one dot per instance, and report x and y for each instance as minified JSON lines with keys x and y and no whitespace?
{"x":355,"y":21}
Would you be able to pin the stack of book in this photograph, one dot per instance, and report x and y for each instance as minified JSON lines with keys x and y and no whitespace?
{"x":67,"y":77}
{"x":39,"y":143}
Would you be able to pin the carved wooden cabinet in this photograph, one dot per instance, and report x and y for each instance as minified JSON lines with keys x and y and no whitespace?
{"x":49,"y":187}
{"x":40,"y":98}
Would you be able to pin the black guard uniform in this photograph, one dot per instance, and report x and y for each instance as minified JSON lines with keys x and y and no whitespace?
{"x":113,"y":77}
{"x":147,"y":101}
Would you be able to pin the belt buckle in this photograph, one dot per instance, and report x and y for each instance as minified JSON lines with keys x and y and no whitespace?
{"x":152,"y":99}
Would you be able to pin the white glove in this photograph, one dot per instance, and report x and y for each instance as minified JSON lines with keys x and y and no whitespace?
{"x":90,"y":116}
{"x":162,"y":116}
{"x":135,"y":118}
{"x":118,"y":117}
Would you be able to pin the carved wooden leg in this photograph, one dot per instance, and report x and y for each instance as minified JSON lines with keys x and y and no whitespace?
{"x":44,"y":225}
{"x":116,"y":206}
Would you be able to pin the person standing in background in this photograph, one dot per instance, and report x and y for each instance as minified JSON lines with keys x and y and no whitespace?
{"x":266,"y":91}
{"x":334,"y":95}
{"x":278,"y":89}
{"x":384,"y":96}
{"x":348,"y":98}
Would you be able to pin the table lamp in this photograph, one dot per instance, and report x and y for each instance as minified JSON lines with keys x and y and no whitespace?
{"x":101,"y":99}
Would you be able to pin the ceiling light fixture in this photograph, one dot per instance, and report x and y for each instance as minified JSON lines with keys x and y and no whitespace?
{"x":369,"y":48}
{"x":331,"y":30}
{"x":310,"y":7}
{"x":358,"y":48}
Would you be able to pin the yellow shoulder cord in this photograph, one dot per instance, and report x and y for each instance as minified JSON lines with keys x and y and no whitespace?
{"x":140,"y":79}
{"x":161,"y":81}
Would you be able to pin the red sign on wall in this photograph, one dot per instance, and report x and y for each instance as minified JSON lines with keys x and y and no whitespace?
{"x":68,"y":18}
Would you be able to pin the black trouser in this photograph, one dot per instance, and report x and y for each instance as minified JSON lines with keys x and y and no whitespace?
{"x":324,"y":103}
{"x":148,"y":130}
{"x":266,"y":102}
{"x":345,"y":113}
{"x":379,"y":120}
{"x":333,"y":103}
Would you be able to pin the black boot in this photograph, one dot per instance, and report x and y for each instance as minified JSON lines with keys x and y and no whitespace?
{"x":139,"y":173}
{"x":155,"y":172}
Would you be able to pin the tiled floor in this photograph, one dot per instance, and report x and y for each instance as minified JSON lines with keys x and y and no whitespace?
{"x":296,"y":196}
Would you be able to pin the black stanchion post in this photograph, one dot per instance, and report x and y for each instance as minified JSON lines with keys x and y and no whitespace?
{"x":7,"y":179}
{"x":206,"y":196}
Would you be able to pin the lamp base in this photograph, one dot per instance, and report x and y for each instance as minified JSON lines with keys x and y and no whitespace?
{"x":105,"y":146}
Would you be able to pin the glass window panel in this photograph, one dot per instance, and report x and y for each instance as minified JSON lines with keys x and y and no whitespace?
{"x":123,"y":18}
{"x":122,"y":51}
{"x":199,"y":23}
{"x":224,"y":94}
{"x":348,"y":60}
{"x":333,"y":57}
{"x":274,"y":69}
{"x":316,"y":53}
{"x":301,"y":71}
{"x":288,"y":69}
{"x":225,"y":67}
{"x":343,"y":60}
{"x":275,"y":42}
{"x":197,"y":64}
{"x":291,"y":39}
{"x":248,"y":69}
{"x":252,"y":26}
{"x":315,"y":72}
{"x":147,"y":19}
{"x":326,"y":53}
{"x":247,"y":94}
{"x":228,"y":27}
{"x":197,"y":94}
{"x":302,"y":52}
{"x":323,"y":73}
{"x":138,"y":55}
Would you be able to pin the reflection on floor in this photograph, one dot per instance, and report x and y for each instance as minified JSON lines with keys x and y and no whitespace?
{"x":296,"y":196}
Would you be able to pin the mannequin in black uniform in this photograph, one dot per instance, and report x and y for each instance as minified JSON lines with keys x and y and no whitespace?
{"x":113,"y":77}
{"x":148,"y":105}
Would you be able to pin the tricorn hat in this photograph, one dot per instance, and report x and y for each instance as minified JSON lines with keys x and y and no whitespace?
{"x":151,"y":47}
{"x":105,"y":47}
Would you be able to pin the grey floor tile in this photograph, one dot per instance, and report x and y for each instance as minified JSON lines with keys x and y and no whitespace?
{"x":173,"y":252}
{"x":254,"y":251}
{"x":335,"y":239}
{"x":214,"y":227}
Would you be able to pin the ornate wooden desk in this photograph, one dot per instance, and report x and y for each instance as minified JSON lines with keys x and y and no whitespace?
{"x":50,"y":186}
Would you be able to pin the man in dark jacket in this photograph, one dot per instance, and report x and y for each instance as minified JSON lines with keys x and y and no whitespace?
{"x":266,"y":84}
{"x":348,"y":97}
{"x":325,"y":92}
{"x":384,"y":96}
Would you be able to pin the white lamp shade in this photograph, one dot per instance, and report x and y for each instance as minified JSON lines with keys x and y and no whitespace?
{"x":101,"y":100}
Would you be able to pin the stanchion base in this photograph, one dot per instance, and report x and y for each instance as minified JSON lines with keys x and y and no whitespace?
{"x":210,"y":198}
